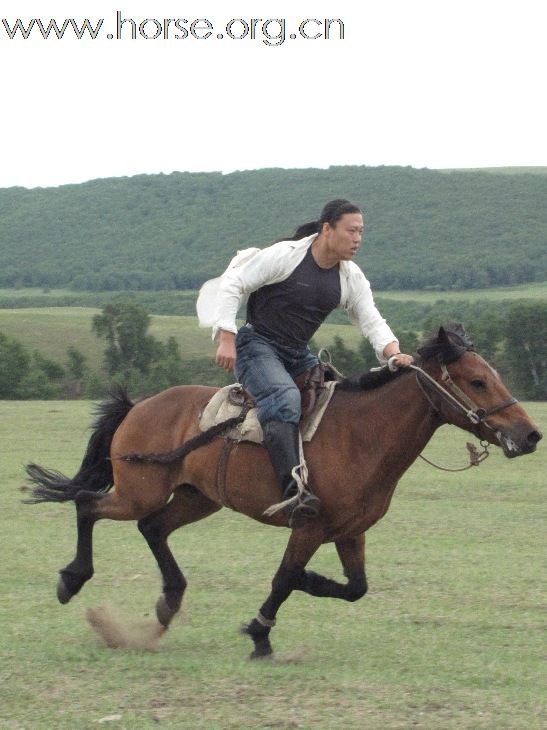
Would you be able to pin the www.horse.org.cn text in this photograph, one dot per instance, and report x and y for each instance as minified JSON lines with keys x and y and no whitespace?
{"x":269,"y":31}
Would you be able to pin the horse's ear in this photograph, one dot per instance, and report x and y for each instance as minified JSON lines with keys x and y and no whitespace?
{"x":442,"y":337}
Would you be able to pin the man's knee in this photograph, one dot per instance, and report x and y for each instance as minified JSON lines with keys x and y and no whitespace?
{"x":290,"y":405}
{"x":281,"y":405}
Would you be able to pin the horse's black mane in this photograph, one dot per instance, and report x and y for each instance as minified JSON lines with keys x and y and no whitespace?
{"x":370,"y":380}
{"x":448,"y":345}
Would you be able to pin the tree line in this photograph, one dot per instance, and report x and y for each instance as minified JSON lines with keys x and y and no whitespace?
{"x":425,"y":229}
{"x":514,"y":340}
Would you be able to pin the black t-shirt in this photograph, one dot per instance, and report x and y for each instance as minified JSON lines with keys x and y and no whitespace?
{"x":291,"y":311}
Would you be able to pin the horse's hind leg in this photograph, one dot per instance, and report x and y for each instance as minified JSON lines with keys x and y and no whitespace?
{"x":80,"y":570}
{"x":187,"y":505}
{"x":93,"y":506}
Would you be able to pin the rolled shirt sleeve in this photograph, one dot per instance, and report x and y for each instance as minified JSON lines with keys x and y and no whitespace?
{"x":363,"y":313}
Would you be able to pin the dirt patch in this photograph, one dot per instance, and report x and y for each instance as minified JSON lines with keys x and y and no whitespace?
{"x":117,"y":635}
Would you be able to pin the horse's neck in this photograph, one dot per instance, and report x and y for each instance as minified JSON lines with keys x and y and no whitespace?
{"x":395,"y":419}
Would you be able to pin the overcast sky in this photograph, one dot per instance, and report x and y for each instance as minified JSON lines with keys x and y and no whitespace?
{"x":427,"y":83}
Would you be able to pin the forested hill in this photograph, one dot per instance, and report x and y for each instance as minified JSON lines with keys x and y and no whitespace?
{"x":424,"y":228}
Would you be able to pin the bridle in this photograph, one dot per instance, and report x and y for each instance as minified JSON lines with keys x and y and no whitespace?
{"x":454,"y":396}
{"x":460,"y":401}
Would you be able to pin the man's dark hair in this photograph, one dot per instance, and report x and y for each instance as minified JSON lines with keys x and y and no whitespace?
{"x":331,"y":214}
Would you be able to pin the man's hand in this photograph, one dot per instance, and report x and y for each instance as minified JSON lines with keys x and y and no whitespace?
{"x":226,"y":351}
{"x":400,"y":360}
{"x":395,"y":358}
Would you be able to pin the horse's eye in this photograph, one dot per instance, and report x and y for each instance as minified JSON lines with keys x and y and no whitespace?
{"x":478,"y":384}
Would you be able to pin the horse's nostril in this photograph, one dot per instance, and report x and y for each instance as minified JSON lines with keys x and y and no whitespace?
{"x":534,"y":437}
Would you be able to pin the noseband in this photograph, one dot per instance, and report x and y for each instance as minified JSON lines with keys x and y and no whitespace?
{"x":454,"y":396}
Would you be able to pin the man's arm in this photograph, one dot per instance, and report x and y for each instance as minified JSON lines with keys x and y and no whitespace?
{"x":226,"y":351}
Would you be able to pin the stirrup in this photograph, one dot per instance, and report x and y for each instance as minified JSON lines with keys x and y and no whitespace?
{"x":307,"y":507}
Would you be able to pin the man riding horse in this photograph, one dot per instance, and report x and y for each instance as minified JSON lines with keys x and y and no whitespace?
{"x":294,"y":285}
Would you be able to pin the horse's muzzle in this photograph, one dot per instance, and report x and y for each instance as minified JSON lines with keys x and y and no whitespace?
{"x":518,"y":444}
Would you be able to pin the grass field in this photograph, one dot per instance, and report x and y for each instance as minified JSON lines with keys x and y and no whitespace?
{"x":533,"y":290}
{"x":52,"y":329}
{"x":451,"y":634}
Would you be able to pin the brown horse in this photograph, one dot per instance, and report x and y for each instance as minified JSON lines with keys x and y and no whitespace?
{"x":166,"y":474}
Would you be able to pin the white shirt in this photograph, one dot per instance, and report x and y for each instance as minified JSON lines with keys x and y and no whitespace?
{"x":219,"y":299}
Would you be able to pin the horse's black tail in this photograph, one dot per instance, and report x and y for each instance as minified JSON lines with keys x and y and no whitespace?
{"x":95,"y":473}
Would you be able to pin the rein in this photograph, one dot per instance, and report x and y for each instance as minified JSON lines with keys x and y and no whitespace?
{"x":476,"y":415}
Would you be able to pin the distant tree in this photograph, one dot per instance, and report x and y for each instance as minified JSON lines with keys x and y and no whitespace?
{"x":27,"y":376}
{"x":15,"y":366}
{"x":351,"y":362}
{"x":167,"y":368}
{"x":36,"y":385}
{"x":344,"y":359}
{"x":51,"y":369}
{"x":487,"y":332}
{"x":408,"y":341}
{"x":525,"y":332}
{"x":124,"y":324}
{"x":134,"y":358}
{"x":76,"y":371}
{"x":76,"y":366}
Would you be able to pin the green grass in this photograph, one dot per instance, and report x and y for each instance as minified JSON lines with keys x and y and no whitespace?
{"x":449,"y":636}
{"x":533,"y":291}
{"x":52,"y":329}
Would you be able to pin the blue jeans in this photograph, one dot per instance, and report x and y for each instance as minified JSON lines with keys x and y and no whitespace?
{"x":266,"y":370}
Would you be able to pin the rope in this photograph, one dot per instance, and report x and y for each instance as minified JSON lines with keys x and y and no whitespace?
{"x":475,"y":458}
{"x":300,"y":476}
{"x":471,"y":415}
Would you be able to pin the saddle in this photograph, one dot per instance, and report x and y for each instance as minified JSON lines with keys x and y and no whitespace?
{"x":316,"y":387}
{"x":310,"y":384}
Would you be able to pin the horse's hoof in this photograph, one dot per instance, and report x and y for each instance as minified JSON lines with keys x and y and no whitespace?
{"x":262,"y":653}
{"x":63,"y":594}
{"x":163,"y":612}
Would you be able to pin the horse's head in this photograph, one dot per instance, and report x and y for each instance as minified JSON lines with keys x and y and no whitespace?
{"x":486,"y":407}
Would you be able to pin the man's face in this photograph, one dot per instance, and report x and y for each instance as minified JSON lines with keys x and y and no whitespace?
{"x":343,"y":239}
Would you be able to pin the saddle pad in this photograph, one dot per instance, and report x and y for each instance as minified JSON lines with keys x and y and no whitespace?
{"x":220,"y":409}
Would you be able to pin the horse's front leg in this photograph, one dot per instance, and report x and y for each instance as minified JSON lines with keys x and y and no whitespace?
{"x":302,"y":544}
{"x":351,"y":551}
